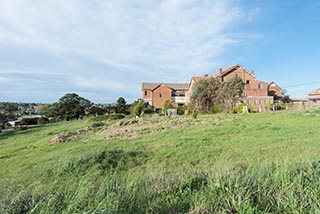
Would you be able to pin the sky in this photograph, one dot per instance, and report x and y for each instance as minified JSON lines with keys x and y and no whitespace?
{"x":105,"y":49}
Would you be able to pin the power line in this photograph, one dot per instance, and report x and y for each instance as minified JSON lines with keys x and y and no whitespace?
{"x":303,"y":84}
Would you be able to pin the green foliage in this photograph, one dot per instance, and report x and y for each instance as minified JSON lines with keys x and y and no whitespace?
{"x":138,"y":107}
{"x":44,"y":110}
{"x":205,"y":94}
{"x":95,"y":111}
{"x":121,"y":106}
{"x":241,"y":106}
{"x":231,"y":90}
{"x":212,"y":92}
{"x":42,"y":120}
{"x":218,"y":107}
{"x":3,"y":118}
{"x":108,"y":117}
{"x":194,"y":114}
{"x":70,"y":106}
{"x":212,"y":165}
{"x":29,"y":121}
{"x":166,"y":105}
{"x":181,"y":109}
{"x":280,"y":106}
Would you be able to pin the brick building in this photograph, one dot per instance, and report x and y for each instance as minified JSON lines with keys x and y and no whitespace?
{"x":259,"y":95}
{"x":156,"y":93}
{"x":314,"y":95}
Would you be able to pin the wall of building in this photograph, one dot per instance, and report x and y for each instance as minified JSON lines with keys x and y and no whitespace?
{"x":274,"y":90}
{"x":159,"y":96}
{"x":259,"y":103}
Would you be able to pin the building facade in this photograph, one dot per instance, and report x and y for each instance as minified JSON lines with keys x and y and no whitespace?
{"x":259,"y":95}
{"x":157,"y":93}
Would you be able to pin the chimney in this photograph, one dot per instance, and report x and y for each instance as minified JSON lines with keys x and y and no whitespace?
{"x":252,"y":71}
{"x":220,"y":70}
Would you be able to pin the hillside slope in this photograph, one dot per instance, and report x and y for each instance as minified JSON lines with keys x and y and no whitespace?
{"x":216,"y":163}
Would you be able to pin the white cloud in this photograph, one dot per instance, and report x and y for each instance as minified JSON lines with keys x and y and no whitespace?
{"x":4,"y":79}
{"x":153,"y":40}
{"x":97,"y":83}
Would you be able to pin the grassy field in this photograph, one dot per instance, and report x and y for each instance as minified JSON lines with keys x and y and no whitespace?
{"x":251,"y":163}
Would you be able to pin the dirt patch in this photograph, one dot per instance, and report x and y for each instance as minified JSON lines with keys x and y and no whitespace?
{"x":65,"y":137}
{"x":134,"y":127}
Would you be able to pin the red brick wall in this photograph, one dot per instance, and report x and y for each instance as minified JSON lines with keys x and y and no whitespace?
{"x":274,"y":90}
{"x":146,"y":94}
{"x":158,"y":101}
{"x":259,"y":104}
{"x":252,"y":86}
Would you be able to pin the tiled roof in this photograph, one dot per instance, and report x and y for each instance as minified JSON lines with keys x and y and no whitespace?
{"x":196,"y":79}
{"x":317,"y":91}
{"x":173,"y":86}
{"x":149,"y":85}
{"x":177,"y":86}
{"x":225,"y":71}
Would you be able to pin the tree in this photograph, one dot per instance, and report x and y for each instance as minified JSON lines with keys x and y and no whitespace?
{"x":44,"y":109}
{"x":95,"y":110}
{"x":231,"y":90}
{"x":70,"y":106}
{"x":3,"y":119}
{"x":138,"y":107}
{"x":121,"y":106}
{"x":167,"y":104}
{"x":205,"y":94}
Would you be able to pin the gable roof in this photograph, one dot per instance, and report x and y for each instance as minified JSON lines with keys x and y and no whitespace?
{"x":224,"y":72}
{"x":197,"y":78}
{"x":149,"y":85}
{"x":273,"y":83}
{"x":172,"y":86}
{"x":315,"y":92}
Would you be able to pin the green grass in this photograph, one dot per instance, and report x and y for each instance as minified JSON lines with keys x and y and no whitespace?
{"x":251,"y":163}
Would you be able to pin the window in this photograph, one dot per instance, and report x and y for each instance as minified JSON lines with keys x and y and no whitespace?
{"x":254,"y":101}
{"x":160,"y":94}
{"x":248,"y":82}
{"x":145,"y":93}
{"x":259,"y":86}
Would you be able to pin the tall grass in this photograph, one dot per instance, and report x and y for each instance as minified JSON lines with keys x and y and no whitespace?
{"x":256,"y":163}
{"x":107,"y":183}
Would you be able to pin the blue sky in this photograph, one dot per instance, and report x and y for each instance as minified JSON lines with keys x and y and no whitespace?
{"x":104,"y":49}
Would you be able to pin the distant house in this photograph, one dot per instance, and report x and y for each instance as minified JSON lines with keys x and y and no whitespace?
{"x":156,"y":93}
{"x":258,"y":94}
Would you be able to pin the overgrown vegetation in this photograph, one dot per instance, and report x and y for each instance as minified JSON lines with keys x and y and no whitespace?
{"x":222,"y":163}
{"x":210,"y":95}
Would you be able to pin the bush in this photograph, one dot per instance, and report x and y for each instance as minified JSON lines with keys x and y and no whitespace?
{"x":181,"y":109}
{"x":217,"y":109}
{"x":149,"y":110}
{"x":42,"y":120}
{"x":108,"y":117}
{"x":194,"y":114}
{"x":29,"y":121}
{"x":241,"y":106}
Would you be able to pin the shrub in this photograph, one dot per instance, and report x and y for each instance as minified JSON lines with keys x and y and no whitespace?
{"x":181,"y":109}
{"x":217,"y":109}
{"x":42,"y":120}
{"x":194,"y":114}
{"x":29,"y":121}
{"x":241,"y":107}
{"x":108,"y":117}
